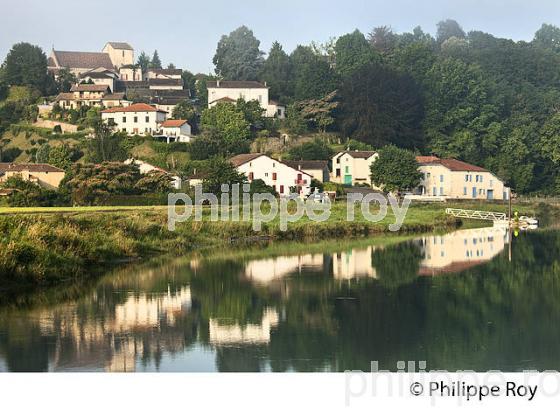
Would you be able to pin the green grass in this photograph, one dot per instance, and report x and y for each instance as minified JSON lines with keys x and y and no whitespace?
{"x":52,"y":245}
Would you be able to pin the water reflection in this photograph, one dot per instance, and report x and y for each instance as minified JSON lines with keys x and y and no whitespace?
{"x":308,"y":307}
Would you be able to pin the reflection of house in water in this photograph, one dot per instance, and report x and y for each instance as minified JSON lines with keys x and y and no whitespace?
{"x":354,"y":263}
{"x":267,"y":270}
{"x":248,"y":334}
{"x":461,"y":249}
{"x":86,"y":340}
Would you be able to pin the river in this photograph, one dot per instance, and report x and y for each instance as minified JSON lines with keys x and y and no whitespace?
{"x":467,"y":300}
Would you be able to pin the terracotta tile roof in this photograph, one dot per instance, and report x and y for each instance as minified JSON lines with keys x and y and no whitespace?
{"x":235,"y":84}
{"x":114,"y":96}
{"x":166,"y":71}
{"x":9,"y":166}
{"x":64,"y":96}
{"x":120,"y":46}
{"x":90,"y":87}
{"x":241,"y":159}
{"x":79,"y":59}
{"x":140,"y":107}
{"x":450,"y":163}
{"x":360,"y":154}
{"x":173,"y":123}
{"x":306,"y":164}
{"x":165,"y":81}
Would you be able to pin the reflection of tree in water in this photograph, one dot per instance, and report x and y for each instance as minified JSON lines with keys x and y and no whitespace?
{"x":397,"y":265}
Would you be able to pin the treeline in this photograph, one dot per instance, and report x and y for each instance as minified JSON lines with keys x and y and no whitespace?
{"x":485,"y":100}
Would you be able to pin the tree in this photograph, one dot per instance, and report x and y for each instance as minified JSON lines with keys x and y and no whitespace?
{"x":238,"y":56}
{"x":155,"y":61}
{"x":227,"y":124}
{"x":447,"y":29}
{"x":352,"y":52}
{"x":185,"y":110}
{"x":317,"y":149}
{"x":154,"y":182}
{"x":171,"y":66}
{"x":397,"y":265}
{"x":276,"y":72}
{"x":189,"y":81}
{"x":379,"y":106}
{"x":143,"y":62}
{"x":106,"y":146}
{"x":204,"y":147}
{"x":312,"y":74}
{"x":319,"y":113}
{"x":26,"y":65}
{"x":28,"y":194}
{"x":548,"y":36}
{"x":65,"y":80}
{"x":383,"y":39}
{"x":221,"y":171}
{"x":395,"y":169}
{"x":62,"y":156}
{"x":252,"y":112}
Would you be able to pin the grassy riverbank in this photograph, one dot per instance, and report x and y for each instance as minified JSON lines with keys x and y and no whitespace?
{"x":43,"y":246}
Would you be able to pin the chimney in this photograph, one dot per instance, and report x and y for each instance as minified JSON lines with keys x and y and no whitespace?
{"x":218,"y":83}
{"x":299,"y":167}
{"x":265,"y":83}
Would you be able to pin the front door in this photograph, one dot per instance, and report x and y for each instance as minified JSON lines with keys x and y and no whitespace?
{"x":347,"y":179}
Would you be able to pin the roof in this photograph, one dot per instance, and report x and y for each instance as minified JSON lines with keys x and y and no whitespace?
{"x":96,"y":74}
{"x":166,"y":71}
{"x":120,"y":46}
{"x":90,"y":87}
{"x":223,"y":99}
{"x":64,"y":96}
{"x":450,"y":163}
{"x":9,"y":166}
{"x":165,"y":81}
{"x":359,"y":154}
{"x":139,"y":107}
{"x":80,"y":59}
{"x":235,"y":84}
{"x":307,"y":164}
{"x":114,"y":96}
{"x":173,"y":123}
{"x":274,"y":102}
{"x":241,"y":159}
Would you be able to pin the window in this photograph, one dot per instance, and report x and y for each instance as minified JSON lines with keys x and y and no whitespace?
{"x":299,"y":177}
{"x":111,"y":121}
{"x":481,"y":178}
{"x":466,"y":178}
{"x":441,"y":178}
{"x":135,"y":119}
{"x":266,"y":174}
{"x":347,"y":169}
{"x":429,"y":175}
{"x":441,"y":190}
{"x":124,"y":120}
{"x":147,"y":118}
{"x":464,"y":190}
{"x":281,"y":189}
{"x":337,"y":172}
{"x":251,"y":176}
{"x":338,"y":160}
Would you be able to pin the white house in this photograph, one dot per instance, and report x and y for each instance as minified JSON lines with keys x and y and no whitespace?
{"x":353,"y":167}
{"x":175,"y":131}
{"x":120,"y":53}
{"x":231,"y":91}
{"x":136,"y":119}
{"x":283,"y":178}
{"x":451,"y":178}
{"x":146,"y":168}
{"x":163,"y":74}
{"x":319,"y":170}
{"x":100,"y":76}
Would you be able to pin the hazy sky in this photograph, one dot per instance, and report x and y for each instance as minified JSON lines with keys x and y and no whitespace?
{"x":186,"y":32}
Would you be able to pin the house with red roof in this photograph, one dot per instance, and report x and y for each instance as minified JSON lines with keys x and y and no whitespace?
{"x":174,"y":131}
{"x":453,"y":179}
{"x":136,"y":119}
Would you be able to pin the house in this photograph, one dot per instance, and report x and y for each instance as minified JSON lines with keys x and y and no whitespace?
{"x":353,"y":167}
{"x":165,"y":84}
{"x":121,"y":54}
{"x":163,"y":74}
{"x":283,"y":178}
{"x":78,"y":62}
{"x":44,"y":175}
{"x":175,"y":131}
{"x":318,"y":170}
{"x":100,"y":76}
{"x":231,"y":91}
{"x":130,"y":73}
{"x":456,"y":179}
{"x":90,"y":95}
{"x":136,"y":119}
{"x":146,"y":168}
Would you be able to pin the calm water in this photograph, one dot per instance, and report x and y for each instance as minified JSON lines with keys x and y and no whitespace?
{"x":455,"y":301}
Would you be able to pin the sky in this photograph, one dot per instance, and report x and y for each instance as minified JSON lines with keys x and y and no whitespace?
{"x":186,"y":32}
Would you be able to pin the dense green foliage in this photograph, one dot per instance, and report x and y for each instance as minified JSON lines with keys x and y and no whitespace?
{"x":396,"y":169}
{"x":238,"y":56}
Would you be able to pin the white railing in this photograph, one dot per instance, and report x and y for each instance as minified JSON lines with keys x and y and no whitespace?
{"x":471,"y":214}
